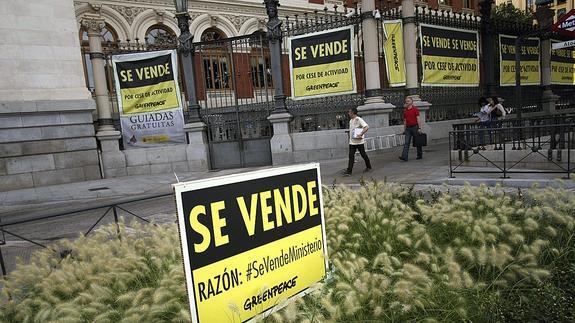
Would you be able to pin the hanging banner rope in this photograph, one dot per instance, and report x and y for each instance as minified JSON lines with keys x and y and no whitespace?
{"x":449,"y":56}
{"x":393,"y":51}
{"x":149,"y":99}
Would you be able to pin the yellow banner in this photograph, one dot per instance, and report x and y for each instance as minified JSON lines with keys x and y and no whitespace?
{"x":393,"y":50}
{"x":529,"y":73}
{"x":260,"y":278}
{"x":529,"y":55}
{"x":323,"y":79}
{"x":452,"y":71}
{"x":151,"y":98}
{"x":321,"y":63}
{"x":563,"y":66}
{"x":449,"y":56}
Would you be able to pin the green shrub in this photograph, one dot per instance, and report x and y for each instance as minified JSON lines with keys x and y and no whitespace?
{"x":476,"y":255}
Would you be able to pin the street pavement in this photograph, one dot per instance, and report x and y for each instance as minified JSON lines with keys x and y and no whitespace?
{"x":433,"y":169}
{"x":151,"y":197}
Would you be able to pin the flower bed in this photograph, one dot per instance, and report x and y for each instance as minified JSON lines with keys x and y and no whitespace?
{"x":478,"y":254}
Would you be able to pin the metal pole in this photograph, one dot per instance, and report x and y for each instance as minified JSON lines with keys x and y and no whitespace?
{"x":2,"y":265}
{"x":275,"y":40}
{"x":116,"y":221}
{"x":488,"y":57}
{"x":518,"y":103}
{"x":186,"y":49}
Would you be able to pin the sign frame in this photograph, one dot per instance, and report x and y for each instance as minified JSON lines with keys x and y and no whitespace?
{"x":352,"y":51}
{"x":205,"y":183}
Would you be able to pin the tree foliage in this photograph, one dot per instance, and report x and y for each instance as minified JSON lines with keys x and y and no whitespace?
{"x":508,"y":12}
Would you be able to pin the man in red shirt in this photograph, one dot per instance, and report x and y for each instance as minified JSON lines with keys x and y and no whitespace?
{"x":412,"y":126}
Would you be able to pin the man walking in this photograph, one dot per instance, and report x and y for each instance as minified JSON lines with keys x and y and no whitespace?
{"x":411,"y":127}
{"x":357,"y":128}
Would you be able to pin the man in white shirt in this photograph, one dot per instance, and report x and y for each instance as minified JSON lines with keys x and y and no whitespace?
{"x":357,"y":128}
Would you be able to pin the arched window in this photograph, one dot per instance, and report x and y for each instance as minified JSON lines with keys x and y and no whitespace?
{"x":215,"y":62}
{"x":108,"y":36}
{"x":159,"y":35}
{"x":212,"y":34}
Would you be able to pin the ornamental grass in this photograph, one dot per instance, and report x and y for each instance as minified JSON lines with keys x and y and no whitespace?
{"x":478,"y":254}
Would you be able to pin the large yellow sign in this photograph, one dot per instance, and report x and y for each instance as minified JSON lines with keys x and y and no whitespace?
{"x":449,"y":56}
{"x":322,"y":64}
{"x":251,"y":241}
{"x":563,"y":66}
{"x":530,"y":68}
{"x":393,"y":50}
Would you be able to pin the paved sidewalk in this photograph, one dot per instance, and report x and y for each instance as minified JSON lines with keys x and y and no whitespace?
{"x":433,"y":169}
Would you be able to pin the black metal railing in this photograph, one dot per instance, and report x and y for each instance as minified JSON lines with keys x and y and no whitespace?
{"x":516,"y":122}
{"x":544,"y":148}
{"x":16,"y":228}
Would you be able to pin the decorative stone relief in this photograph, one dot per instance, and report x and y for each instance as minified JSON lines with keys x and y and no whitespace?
{"x":160,"y":15}
{"x":238,"y":21}
{"x":129,"y":13}
{"x":93,"y":23}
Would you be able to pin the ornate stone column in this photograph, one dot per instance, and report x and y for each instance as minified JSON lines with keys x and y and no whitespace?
{"x":93,"y":24}
{"x":375,"y":111}
{"x":544,"y":16}
{"x":113,"y":160}
{"x":281,"y":142}
{"x":410,"y":53}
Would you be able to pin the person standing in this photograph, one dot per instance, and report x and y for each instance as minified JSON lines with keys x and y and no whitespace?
{"x":357,"y":128}
{"x":411,"y":127}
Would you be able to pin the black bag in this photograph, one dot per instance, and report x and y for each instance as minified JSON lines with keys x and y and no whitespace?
{"x":420,"y":140}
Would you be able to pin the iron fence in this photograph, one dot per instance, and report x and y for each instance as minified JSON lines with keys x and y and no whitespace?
{"x":36,"y":232}
{"x":506,"y":150}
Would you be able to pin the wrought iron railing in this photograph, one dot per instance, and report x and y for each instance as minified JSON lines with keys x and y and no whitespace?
{"x":523,"y":122}
{"x":323,"y":113}
{"x":18,"y":231}
{"x":525,"y":149}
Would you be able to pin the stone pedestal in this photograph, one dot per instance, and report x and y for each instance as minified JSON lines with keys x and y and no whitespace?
{"x":197,"y":150}
{"x":281,"y":142}
{"x":113,"y":160}
{"x":376,"y":114}
{"x":548,"y":101}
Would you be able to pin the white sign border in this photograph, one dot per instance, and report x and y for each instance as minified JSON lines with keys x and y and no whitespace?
{"x":180,"y":188}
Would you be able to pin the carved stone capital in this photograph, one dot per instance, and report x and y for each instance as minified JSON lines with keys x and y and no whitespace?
{"x":93,"y":23}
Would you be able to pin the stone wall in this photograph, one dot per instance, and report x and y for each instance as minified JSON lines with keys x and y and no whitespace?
{"x":46,"y":125}
{"x":46,"y":142}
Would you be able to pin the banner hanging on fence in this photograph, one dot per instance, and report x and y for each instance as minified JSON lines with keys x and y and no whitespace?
{"x":393,"y":51}
{"x":449,"y":56}
{"x":530,"y":67}
{"x":149,"y":99}
{"x":562,"y":66}
{"x":321,"y":63}
{"x":251,"y":241}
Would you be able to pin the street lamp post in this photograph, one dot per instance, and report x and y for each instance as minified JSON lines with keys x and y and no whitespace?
{"x":186,"y":48}
{"x":275,"y":37}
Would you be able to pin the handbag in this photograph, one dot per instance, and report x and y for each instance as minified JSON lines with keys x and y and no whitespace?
{"x":420,"y":140}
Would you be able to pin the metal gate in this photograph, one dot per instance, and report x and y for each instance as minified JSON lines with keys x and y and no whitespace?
{"x":235,"y":91}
